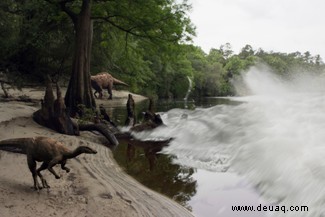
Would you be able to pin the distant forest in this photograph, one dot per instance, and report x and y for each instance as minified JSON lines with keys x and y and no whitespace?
{"x":147,"y":44}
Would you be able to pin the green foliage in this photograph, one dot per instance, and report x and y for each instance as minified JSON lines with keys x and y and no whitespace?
{"x":234,"y":65}
{"x":140,"y":43}
{"x":88,"y":114}
{"x":39,"y":39}
{"x":285,"y":64}
{"x":124,"y":31}
{"x":146,"y":43}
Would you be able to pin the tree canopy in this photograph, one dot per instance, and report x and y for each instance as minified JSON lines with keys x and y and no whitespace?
{"x":144,"y":43}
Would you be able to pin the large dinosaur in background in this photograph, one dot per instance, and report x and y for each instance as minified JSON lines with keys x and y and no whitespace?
{"x":46,"y":150}
{"x":104,"y":80}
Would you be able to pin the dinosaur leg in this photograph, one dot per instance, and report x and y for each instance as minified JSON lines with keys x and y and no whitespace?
{"x":64,"y":167}
{"x":95,"y":94}
{"x":109,"y":90}
{"x":32,"y":167}
{"x":43,"y":167}
{"x":100,"y":94}
{"x":51,"y":165}
{"x":97,"y":87}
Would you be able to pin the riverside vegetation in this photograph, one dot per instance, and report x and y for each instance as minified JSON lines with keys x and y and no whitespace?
{"x":147,"y":44}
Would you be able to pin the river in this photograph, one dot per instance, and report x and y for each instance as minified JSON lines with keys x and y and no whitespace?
{"x":264,"y":149}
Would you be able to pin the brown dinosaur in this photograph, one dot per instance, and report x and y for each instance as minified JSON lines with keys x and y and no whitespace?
{"x":46,"y":150}
{"x":104,"y":80}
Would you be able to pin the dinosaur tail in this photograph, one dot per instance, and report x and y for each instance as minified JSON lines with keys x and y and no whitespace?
{"x":14,"y":145}
{"x":119,"y":82}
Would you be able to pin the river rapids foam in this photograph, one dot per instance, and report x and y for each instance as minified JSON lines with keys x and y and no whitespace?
{"x":274,"y":136}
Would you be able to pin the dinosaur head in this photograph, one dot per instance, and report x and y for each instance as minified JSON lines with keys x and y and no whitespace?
{"x":86,"y":150}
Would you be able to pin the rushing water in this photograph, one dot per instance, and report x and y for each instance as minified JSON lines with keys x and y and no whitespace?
{"x":274,"y":138}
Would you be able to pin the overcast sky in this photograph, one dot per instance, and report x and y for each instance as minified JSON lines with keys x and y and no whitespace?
{"x":273,"y":25}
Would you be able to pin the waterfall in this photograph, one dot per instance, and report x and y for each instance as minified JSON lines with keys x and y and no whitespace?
{"x":188,"y":91}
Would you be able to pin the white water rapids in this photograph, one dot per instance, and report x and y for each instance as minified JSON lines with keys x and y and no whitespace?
{"x":275,"y":137}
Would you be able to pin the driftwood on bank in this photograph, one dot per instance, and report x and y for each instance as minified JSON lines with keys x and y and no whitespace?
{"x":22,"y":98}
{"x":54,"y":115}
{"x":105,"y":116}
{"x":101,"y":128}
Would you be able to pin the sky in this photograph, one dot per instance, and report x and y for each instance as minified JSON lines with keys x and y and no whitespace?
{"x":274,"y":25}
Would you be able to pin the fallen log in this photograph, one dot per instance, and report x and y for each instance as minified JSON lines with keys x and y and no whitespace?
{"x":101,"y":128}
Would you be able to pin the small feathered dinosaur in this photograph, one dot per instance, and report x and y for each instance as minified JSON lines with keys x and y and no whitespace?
{"x":46,"y":150}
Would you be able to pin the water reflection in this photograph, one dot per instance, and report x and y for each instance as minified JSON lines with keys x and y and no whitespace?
{"x":144,"y":162}
{"x":157,"y":171}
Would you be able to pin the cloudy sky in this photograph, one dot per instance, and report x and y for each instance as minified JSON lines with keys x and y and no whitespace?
{"x":273,"y":25}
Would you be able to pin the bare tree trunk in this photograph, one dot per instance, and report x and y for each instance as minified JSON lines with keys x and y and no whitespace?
{"x":53,"y":112}
{"x":79,"y":90}
{"x":53,"y":115}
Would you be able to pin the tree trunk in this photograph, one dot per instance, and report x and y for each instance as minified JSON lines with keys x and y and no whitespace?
{"x":53,"y":114}
{"x":79,"y":90}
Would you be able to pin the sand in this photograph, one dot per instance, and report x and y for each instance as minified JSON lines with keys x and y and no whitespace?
{"x":96,"y":185}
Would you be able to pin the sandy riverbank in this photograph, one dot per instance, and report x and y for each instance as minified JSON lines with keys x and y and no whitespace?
{"x":96,"y":185}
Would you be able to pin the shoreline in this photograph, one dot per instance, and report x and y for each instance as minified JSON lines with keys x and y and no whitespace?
{"x":96,"y":185}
